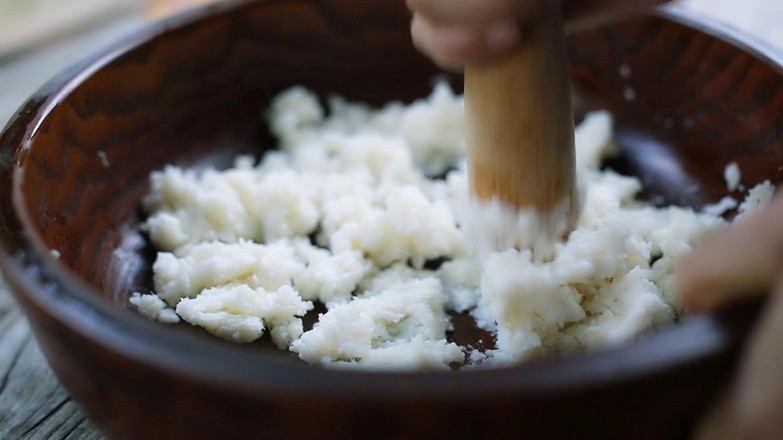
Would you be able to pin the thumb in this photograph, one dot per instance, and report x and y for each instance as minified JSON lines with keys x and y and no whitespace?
{"x":742,"y":261}
{"x":753,"y":405}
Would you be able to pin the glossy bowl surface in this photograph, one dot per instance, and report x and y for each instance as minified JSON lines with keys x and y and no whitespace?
{"x":74,"y":164}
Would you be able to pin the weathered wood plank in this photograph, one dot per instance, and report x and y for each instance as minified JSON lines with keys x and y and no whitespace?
{"x":33,"y":405}
{"x":67,"y":422}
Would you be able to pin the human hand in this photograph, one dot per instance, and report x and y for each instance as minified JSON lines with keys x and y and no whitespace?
{"x":744,"y":261}
{"x":458,"y":32}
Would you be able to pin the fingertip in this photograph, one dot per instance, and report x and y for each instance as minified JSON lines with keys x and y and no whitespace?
{"x":426,"y":39}
{"x":683,"y":281}
{"x":693,"y":306}
{"x":453,"y":47}
{"x":477,"y":13}
{"x":692,"y":284}
{"x":502,"y":37}
{"x":413,"y":5}
{"x":418,"y":35}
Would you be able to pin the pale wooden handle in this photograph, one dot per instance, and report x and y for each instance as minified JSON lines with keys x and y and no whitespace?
{"x":520,"y":138}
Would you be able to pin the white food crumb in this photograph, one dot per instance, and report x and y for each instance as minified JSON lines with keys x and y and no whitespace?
{"x":240,"y":313}
{"x":404,"y":226}
{"x":461,"y":279}
{"x":625,"y":71}
{"x":104,"y":159}
{"x":380,"y":330}
{"x":329,"y":278}
{"x":757,"y":197}
{"x":629,"y":94}
{"x":593,"y":140}
{"x":732,"y":176}
{"x":212,"y":264}
{"x":154,"y":308}
{"x":724,"y":205}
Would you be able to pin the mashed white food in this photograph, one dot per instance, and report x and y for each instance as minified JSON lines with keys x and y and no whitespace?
{"x":353,"y":207}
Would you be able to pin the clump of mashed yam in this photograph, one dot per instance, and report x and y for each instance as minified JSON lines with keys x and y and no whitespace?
{"x":352,"y":208}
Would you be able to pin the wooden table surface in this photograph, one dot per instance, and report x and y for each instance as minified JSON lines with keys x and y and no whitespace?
{"x":32,"y":403}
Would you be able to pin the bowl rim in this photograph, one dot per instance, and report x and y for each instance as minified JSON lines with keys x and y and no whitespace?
{"x":35,"y":274}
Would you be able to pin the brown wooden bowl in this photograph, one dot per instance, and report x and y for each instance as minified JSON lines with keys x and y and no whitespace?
{"x":74,"y":164}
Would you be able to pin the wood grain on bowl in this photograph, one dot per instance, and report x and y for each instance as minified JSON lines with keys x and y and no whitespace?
{"x":687,"y":104}
{"x":74,"y":164}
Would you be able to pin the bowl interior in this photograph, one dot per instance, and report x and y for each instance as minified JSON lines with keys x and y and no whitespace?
{"x":686,"y":104}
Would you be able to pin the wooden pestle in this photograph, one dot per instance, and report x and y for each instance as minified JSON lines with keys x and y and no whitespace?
{"x":519,"y":123}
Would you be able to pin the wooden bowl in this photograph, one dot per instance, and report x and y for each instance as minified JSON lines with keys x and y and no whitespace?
{"x":75,"y":162}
